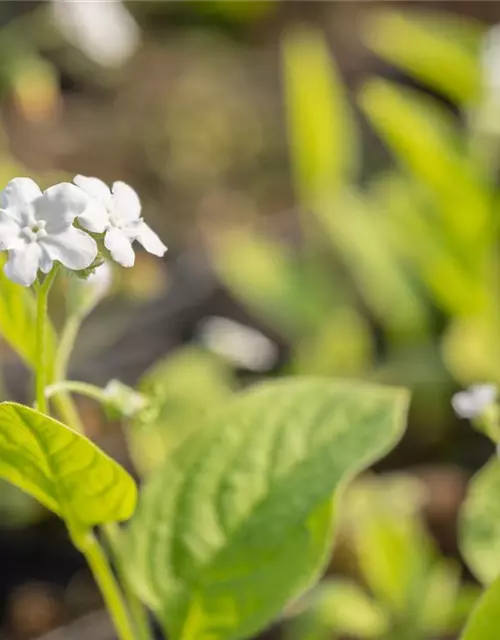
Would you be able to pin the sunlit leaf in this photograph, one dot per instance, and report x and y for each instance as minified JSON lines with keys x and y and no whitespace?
{"x":239,"y":519}
{"x":62,"y":469}
{"x":427,"y":144}
{"x":441,"y":50}
{"x":321,"y":129}
{"x":359,"y":237}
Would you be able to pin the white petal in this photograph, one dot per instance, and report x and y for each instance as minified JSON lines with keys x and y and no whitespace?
{"x":95,"y":218}
{"x":126,"y":201}
{"x":60,"y":205}
{"x":9,"y":235}
{"x":18,"y":197}
{"x":94,"y":187}
{"x":46,"y":262}
{"x":74,"y":248}
{"x":120,"y":247}
{"x":22,"y":265}
{"x":484,"y":394}
{"x":464,"y":404}
{"x":150,"y":240}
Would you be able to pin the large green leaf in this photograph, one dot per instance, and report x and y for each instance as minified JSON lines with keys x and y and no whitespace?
{"x":239,"y":519}
{"x":321,"y":129}
{"x":480,"y":523}
{"x":64,"y":470}
{"x":18,"y":318}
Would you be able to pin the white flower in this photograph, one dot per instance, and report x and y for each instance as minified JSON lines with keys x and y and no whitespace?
{"x":36,"y":229}
{"x":473,"y":402}
{"x":117,"y":213}
{"x":105,"y":31}
{"x":238,"y":343}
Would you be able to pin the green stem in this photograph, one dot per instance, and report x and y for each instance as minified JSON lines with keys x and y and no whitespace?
{"x":66,"y":344}
{"x":41,"y":339}
{"x":111,"y":533}
{"x":64,"y":404}
{"x":74,"y":386}
{"x":110,"y":590}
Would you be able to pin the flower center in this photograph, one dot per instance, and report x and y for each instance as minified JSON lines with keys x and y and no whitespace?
{"x":34,"y":231}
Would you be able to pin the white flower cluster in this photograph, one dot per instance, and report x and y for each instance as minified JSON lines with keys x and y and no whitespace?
{"x":38,"y":229}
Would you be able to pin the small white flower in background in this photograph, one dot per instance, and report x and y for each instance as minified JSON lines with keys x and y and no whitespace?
{"x":474,"y":401}
{"x":243,"y":346}
{"x":36,"y":229}
{"x":105,"y":31}
{"x":116,"y":212}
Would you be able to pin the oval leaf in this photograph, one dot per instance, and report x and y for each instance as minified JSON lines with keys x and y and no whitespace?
{"x":64,"y":470}
{"x":239,"y":519}
{"x":480,"y":523}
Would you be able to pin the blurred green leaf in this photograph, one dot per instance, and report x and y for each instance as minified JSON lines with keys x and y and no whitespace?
{"x":342,"y":344}
{"x":18,"y":318}
{"x":239,"y":519}
{"x":426,"y":143}
{"x":341,"y":607}
{"x":181,"y":391}
{"x":293,"y":296}
{"x":322,"y":132}
{"x":394,"y":554}
{"x":480,"y":523}
{"x":471,"y":350}
{"x":439,"y":597}
{"x":441,"y":50}
{"x":66,"y":472}
{"x":414,"y":231}
{"x":357,"y":234}
{"x":484,"y":622}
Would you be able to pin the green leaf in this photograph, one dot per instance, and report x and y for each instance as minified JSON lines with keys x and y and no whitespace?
{"x":480,"y":523}
{"x":62,"y":469}
{"x":293,"y":296}
{"x":427,"y":143}
{"x":342,"y":607}
{"x":18,"y":318}
{"x":484,"y":622}
{"x":440,"y":50}
{"x":357,"y":232}
{"x":321,"y":129}
{"x":239,"y":519}
{"x":181,"y":390}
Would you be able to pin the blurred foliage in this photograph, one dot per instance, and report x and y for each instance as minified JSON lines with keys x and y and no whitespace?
{"x":182,"y":390}
{"x":416,"y":245}
{"x":408,"y":589}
